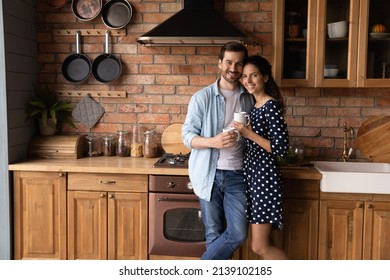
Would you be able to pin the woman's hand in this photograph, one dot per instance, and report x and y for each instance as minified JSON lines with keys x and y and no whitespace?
{"x":242,"y":128}
{"x":247,"y":132}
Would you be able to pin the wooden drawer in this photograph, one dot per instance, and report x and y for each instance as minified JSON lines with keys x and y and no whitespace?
{"x":107,"y":182}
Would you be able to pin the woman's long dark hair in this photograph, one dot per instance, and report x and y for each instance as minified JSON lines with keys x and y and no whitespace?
{"x":265,"y":68}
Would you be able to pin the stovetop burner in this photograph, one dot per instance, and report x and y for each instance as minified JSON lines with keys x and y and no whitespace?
{"x":173,"y":161}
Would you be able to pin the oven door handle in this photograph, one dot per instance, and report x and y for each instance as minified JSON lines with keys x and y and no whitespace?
{"x":167,"y":199}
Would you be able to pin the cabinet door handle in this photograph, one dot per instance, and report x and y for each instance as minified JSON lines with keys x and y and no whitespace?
{"x":111,"y":196}
{"x":370,"y":206}
{"x":360,"y":205}
{"x":61,"y":175}
{"x":102,"y":195}
{"x":107,"y":182}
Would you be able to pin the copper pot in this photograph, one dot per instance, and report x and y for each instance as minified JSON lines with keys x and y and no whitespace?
{"x":86,"y":10}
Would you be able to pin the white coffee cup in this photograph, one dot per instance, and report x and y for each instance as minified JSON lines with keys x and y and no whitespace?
{"x":228,"y":129}
{"x":338,"y":29}
{"x":242,"y":117}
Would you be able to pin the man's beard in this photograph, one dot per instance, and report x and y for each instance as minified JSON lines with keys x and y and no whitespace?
{"x":234,"y":80}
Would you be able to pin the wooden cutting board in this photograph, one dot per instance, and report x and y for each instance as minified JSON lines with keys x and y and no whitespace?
{"x":373,"y":139}
{"x":171,"y":140}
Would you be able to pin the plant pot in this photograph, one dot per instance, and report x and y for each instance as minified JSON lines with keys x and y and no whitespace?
{"x":47,"y":129}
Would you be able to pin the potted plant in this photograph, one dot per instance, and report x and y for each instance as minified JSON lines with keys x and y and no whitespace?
{"x":49,"y":111}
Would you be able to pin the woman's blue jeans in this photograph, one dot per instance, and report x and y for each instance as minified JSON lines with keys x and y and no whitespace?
{"x":224,"y":216}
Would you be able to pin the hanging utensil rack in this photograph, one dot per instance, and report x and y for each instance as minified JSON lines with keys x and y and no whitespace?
{"x":89,"y":32}
{"x":81,"y":93}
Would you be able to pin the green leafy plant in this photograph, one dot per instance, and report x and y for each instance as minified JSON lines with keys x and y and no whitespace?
{"x":44,"y":106}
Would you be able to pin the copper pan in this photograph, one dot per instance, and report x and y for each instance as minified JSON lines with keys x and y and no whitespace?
{"x":86,"y":10}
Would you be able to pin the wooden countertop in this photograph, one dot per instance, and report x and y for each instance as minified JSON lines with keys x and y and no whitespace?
{"x":129,"y":165}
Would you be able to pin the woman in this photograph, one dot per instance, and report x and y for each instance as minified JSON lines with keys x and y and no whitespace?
{"x":266,"y":138}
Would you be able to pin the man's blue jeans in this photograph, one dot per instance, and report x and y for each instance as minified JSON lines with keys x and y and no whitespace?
{"x":224,"y":216}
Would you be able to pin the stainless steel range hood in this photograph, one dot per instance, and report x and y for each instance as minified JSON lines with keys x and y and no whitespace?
{"x":197,"y":24}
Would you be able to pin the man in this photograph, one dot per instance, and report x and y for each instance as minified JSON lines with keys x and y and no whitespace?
{"x":216,"y":160}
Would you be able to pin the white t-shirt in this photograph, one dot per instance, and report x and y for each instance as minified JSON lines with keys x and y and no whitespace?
{"x":231,"y":158}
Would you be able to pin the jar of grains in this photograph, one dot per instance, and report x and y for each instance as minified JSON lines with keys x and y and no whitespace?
{"x":150,"y":144}
{"x":136,"y":145}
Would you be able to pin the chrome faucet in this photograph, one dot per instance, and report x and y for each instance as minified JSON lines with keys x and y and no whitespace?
{"x":346,"y":154}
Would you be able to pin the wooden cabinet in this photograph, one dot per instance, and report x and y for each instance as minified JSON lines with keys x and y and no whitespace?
{"x":373,"y":63}
{"x":101,"y":216}
{"x":299,"y":237}
{"x":294,"y":57}
{"x":340,"y":53}
{"x":376,"y":245}
{"x":107,"y":216}
{"x":341,"y":235}
{"x":361,"y":60}
{"x":354,"y":227}
{"x":39,"y":215}
{"x":89,"y":215}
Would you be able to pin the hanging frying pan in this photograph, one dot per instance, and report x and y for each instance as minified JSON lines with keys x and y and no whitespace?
{"x":116,"y":14}
{"x":77,"y":67}
{"x":106,"y":67}
{"x":86,"y":10}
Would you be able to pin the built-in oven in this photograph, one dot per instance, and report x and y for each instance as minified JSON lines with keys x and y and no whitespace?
{"x":175,"y":220}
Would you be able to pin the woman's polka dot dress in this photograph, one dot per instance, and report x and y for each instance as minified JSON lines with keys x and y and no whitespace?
{"x":261,"y":171}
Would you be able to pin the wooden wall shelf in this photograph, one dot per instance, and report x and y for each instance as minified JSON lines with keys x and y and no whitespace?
{"x":80,"y":93}
{"x":89,"y":32}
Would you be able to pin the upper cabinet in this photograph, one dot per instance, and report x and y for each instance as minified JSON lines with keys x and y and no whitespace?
{"x":331,"y":43}
{"x":374,"y":48}
{"x":336,"y":45}
{"x":294,"y":42}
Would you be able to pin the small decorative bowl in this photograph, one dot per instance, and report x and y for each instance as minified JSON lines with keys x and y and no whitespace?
{"x":331,"y":71}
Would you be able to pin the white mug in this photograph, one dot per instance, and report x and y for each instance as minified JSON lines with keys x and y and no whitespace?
{"x":338,"y":29}
{"x":242,"y":117}
{"x":228,"y":129}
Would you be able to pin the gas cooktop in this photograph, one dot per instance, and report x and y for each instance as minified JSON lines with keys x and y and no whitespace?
{"x":173,"y":161}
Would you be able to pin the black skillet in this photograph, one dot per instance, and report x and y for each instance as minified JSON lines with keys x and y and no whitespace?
{"x":76,"y":68}
{"x":106,"y":68}
{"x":116,"y":14}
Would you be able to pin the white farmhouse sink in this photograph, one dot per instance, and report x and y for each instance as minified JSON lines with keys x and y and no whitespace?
{"x":354,"y":177}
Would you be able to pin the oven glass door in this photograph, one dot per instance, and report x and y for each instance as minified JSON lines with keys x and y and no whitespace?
{"x":175,"y":225}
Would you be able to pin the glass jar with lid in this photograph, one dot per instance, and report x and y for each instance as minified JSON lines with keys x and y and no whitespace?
{"x":109,"y":145}
{"x":137,"y":142}
{"x":123,"y":146}
{"x":293,"y":24}
{"x":150,"y":144}
{"x":94,"y":145}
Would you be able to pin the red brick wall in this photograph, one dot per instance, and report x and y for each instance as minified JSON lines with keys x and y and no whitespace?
{"x":159,"y":81}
